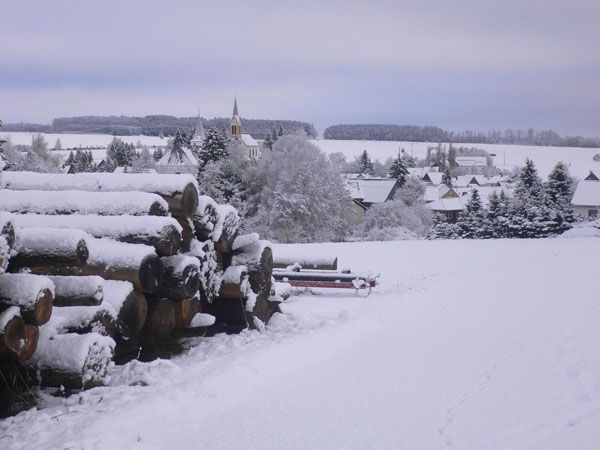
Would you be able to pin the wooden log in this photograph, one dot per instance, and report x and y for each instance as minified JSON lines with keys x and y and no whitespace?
{"x":50,"y":247}
{"x":79,"y":202}
{"x":77,"y":290}
{"x":32,"y":335}
{"x":185,"y":310}
{"x":32,"y":294}
{"x":77,"y":361}
{"x":113,"y":260}
{"x":130,"y":305}
{"x":304,"y":262}
{"x":181,"y":278}
{"x":205,"y":218}
{"x":179,"y":191}
{"x":161,"y":318}
{"x":13,"y":334}
{"x":226,"y":228}
{"x":234,"y":283}
{"x":7,"y":229}
{"x":209,"y":270}
{"x":258,"y":258}
{"x":323,"y":279}
{"x":162,"y":233}
{"x":187,"y":233}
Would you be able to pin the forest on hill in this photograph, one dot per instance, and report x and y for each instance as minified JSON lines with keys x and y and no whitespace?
{"x":380,"y":132}
{"x":156,"y":125}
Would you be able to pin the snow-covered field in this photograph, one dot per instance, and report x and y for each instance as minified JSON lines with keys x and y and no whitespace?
{"x":507,"y":156}
{"x":465,"y":344}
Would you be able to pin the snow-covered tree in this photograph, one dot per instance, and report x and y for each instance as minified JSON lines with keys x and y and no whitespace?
{"x":158,"y":153}
{"x":447,"y":178}
{"x":214,"y":147}
{"x":37,"y":158}
{"x":272,"y":138}
{"x":119,"y":153}
{"x":295,"y":195}
{"x":411,"y":193}
{"x":451,"y":157}
{"x":143,"y":161}
{"x":398,"y":171}
{"x":529,"y":183}
{"x":58,"y":145}
{"x":365,"y":165}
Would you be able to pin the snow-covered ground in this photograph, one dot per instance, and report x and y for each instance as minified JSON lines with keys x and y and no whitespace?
{"x":580,"y":160}
{"x":465,"y":344}
{"x":507,"y":156}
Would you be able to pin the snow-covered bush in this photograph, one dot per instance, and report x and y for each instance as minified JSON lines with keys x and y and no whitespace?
{"x":295,"y":194}
{"x":390,"y":234}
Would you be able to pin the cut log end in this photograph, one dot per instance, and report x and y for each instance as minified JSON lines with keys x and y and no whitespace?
{"x":151,"y":274}
{"x":133,"y":314}
{"x":189,"y":200}
{"x":185,"y":310}
{"x":169,"y":242}
{"x":8,"y":231}
{"x":82,"y":252}
{"x":43,"y":309}
{"x":32,"y":335}
{"x":157,"y":209}
{"x":13,"y":339}
{"x":161,"y":317}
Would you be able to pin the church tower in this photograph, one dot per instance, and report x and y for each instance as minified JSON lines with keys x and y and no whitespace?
{"x":235,"y":124}
{"x":199,"y":135}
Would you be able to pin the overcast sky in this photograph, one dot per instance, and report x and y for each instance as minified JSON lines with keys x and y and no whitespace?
{"x":458,"y":64}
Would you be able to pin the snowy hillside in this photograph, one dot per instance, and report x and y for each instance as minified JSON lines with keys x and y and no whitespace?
{"x":507,"y":156}
{"x":466,"y":344}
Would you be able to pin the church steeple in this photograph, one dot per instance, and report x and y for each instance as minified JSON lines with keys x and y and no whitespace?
{"x":235,"y":124}
{"x":198,"y":137}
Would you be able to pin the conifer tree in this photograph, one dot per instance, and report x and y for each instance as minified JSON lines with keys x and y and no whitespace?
{"x":157,"y":154}
{"x":365,"y":164}
{"x":447,"y":178}
{"x":529,"y":183}
{"x":398,"y":171}
{"x":214,"y":147}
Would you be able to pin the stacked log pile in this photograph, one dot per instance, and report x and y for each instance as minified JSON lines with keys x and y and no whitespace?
{"x":108,"y":267}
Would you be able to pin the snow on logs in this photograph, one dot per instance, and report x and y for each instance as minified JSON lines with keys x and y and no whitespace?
{"x":181,"y":277}
{"x":114,"y":260}
{"x":77,"y":291}
{"x":32,"y":294}
{"x":50,"y":247}
{"x":8,"y":241}
{"x":180,"y":192}
{"x":162,"y":233}
{"x":80,"y":202}
{"x":77,"y":361}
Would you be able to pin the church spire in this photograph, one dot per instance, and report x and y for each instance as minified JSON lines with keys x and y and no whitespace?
{"x":235,"y":108}
{"x":235,"y":124}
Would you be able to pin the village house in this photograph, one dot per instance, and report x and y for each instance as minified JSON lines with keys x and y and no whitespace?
{"x":471,"y":161}
{"x":367,"y":191}
{"x":586,"y":199}
{"x":451,"y":205}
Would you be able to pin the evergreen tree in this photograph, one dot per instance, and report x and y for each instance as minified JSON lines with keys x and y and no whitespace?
{"x":529,"y":183}
{"x":272,"y":138}
{"x":398,"y":171}
{"x":214,"y":147}
{"x":474,"y":205}
{"x":451,"y":157}
{"x":365,"y":165}
{"x":157,"y":154}
{"x":447,"y":178}
{"x":58,"y":145}
{"x":120,"y":153}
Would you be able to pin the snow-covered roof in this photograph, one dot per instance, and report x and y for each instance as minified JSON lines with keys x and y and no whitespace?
{"x":173,"y":158}
{"x":419,"y":171}
{"x":432,"y":193}
{"x":433,"y":177}
{"x":587,"y":194}
{"x":447,"y":204}
{"x":371,"y":190}
{"x":249,"y":140}
{"x":471,"y":161}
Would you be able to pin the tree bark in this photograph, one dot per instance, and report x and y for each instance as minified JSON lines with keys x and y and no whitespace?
{"x":34,"y":299}
{"x":77,"y":290}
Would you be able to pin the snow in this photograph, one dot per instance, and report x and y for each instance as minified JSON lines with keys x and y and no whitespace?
{"x":50,"y":241}
{"x":116,"y":292}
{"x":250,"y":256}
{"x":117,"y":254}
{"x":164,"y":184}
{"x":72,"y":317}
{"x":72,"y":353}
{"x":464,"y":344}
{"x":582,"y":230}
{"x":587,"y":194}
{"x":579,"y":160}
{"x":447,"y":204}
{"x":371,"y":190}
{"x":228,"y":221}
{"x":78,"y":286}
{"x":74,"y":141}
{"x":233,"y":274}
{"x":289,"y":255}
{"x":101,"y":226}
{"x":202,"y":320}
{"x":23,"y":289}
{"x":177,"y":263}
{"x":244,"y":240}
{"x":80,"y":202}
